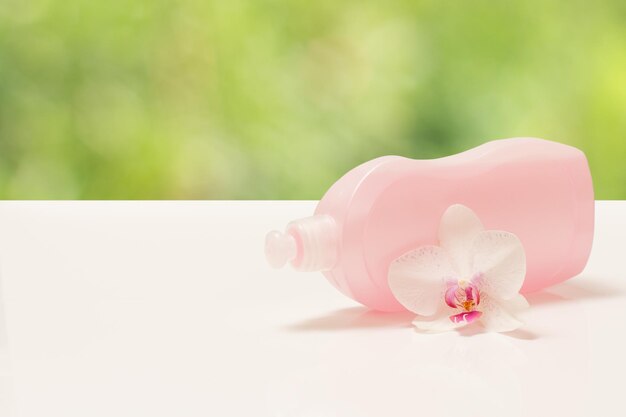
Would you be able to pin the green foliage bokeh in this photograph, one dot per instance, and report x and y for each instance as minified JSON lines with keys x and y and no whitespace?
{"x":233,"y":99}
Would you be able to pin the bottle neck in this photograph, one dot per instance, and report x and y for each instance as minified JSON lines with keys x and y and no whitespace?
{"x":309,"y":244}
{"x":316,"y":242}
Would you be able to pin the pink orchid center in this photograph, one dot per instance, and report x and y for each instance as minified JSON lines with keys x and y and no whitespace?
{"x":465,"y":296}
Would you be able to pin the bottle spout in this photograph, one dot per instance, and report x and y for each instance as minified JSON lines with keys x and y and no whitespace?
{"x":308,"y":244}
{"x":280,"y":248}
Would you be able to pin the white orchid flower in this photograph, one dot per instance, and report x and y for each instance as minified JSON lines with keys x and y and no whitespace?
{"x":474,"y":275}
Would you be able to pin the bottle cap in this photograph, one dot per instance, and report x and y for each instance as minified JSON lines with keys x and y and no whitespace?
{"x":309,"y":244}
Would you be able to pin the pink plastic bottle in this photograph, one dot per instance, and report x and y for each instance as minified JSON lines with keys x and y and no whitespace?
{"x":537,"y":189}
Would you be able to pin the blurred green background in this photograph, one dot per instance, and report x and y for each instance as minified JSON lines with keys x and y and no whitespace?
{"x":275,"y":99}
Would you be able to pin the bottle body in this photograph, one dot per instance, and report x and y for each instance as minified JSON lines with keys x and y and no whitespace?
{"x":539,"y":190}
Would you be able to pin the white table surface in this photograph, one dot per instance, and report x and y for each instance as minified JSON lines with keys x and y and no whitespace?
{"x":169,"y":309}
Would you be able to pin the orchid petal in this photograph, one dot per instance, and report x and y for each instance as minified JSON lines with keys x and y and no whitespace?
{"x":450,"y":296}
{"x":458,"y":228}
{"x":441,"y":322}
{"x":466,"y":316}
{"x":500,"y":262}
{"x":502,"y":315}
{"x":417,"y":279}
